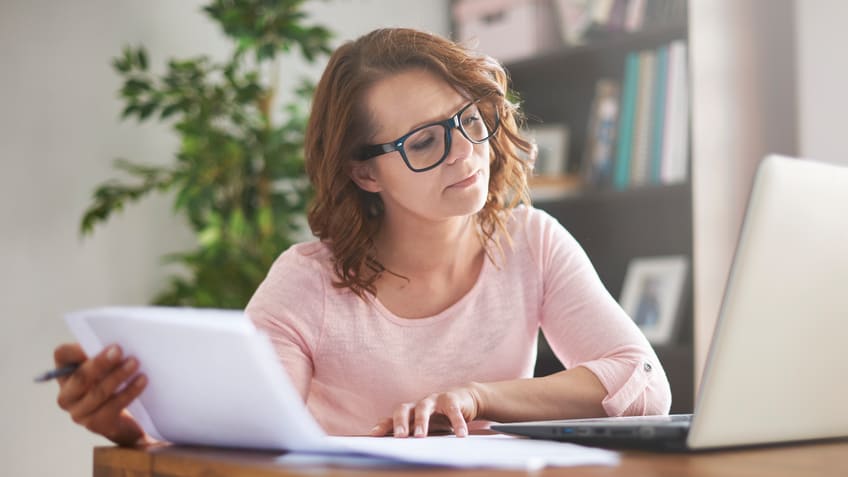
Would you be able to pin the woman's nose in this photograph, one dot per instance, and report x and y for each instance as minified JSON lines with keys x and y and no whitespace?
{"x":460,"y":147}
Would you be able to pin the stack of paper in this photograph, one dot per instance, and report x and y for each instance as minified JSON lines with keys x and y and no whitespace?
{"x":213,"y":379}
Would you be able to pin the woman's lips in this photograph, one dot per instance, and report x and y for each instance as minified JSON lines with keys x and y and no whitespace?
{"x":467,"y":181}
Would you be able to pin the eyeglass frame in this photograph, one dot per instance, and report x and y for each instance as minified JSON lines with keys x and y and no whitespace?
{"x":453,"y":122}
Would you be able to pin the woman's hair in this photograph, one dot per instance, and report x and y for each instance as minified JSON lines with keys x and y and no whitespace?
{"x":346,"y":217}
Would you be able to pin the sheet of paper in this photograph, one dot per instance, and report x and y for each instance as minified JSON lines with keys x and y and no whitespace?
{"x":491,"y":451}
{"x":78,"y":324}
{"x":215,"y":380}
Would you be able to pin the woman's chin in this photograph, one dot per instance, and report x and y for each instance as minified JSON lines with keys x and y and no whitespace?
{"x":469,"y":203}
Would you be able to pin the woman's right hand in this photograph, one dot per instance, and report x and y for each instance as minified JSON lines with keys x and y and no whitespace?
{"x":89,"y":396}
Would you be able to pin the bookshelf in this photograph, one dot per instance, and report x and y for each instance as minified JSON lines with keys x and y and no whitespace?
{"x":613,"y":226}
{"x":557,"y":85}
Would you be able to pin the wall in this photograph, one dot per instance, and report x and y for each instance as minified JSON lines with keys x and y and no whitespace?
{"x":744,"y":106}
{"x":59,"y":132}
{"x":822,"y":79}
{"x":764,"y":80}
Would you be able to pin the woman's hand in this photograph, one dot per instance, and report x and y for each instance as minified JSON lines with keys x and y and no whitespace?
{"x":89,"y":394}
{"x":450,"y":410}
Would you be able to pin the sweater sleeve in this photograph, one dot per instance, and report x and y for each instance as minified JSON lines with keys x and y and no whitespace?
{"x":288,"y":306}
{"x":585,"y":326}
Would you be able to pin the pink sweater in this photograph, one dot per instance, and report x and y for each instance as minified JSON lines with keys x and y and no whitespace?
{"x":354,"y":361}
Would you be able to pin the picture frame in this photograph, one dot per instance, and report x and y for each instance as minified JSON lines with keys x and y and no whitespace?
{"x":602,"y":134}
{"x":652,"y":295}
{"x":552,"y":142}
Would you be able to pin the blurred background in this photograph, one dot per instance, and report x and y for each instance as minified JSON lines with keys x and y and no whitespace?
{"x":651,"y":117}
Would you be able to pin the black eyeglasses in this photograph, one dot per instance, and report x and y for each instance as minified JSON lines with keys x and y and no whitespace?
{"x":426,"y":147}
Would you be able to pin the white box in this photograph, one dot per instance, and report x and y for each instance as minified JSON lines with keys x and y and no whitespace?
{"x":507,"y":30}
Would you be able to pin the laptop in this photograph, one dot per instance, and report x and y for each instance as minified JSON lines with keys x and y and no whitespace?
{"x":776,"y":369}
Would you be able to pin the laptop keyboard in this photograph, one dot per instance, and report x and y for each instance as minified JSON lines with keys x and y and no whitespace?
{"x":635,"y":420}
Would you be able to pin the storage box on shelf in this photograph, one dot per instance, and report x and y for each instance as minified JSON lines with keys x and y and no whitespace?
{"x":506,"y":29}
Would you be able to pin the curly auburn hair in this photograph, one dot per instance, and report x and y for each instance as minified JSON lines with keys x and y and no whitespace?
{"x":346,"y":217}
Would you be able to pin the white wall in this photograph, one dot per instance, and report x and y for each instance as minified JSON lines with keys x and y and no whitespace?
{"x":822,"y":78}
{"x":765,"y":80}
{"x":744,"y":107}
{"x":59,"y":132}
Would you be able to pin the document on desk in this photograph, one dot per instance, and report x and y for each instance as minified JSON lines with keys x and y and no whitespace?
{"x":213,"y":379}
{"x":492,"y":451}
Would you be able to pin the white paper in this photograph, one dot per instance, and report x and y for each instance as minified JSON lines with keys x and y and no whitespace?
{"x":492,"y":451}
{"x":214,"y":380}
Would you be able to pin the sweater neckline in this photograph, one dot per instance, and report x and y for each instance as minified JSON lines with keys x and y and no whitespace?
{"x":451,"y":310}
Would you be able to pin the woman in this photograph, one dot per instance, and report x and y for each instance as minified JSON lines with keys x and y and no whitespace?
{"x":419,"y":307}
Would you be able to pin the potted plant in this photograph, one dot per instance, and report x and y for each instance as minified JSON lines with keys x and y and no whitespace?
{"x":238,"y":175}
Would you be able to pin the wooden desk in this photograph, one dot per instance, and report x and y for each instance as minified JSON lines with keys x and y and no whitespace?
{"x":822,"y":459}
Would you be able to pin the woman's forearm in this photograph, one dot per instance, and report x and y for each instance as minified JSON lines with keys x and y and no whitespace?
{"x":574,"y":393}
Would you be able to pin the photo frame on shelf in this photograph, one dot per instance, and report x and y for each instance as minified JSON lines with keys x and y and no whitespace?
{"x":552,"y":149}
{"x":652,"y":294}
{"x":599,"y":157}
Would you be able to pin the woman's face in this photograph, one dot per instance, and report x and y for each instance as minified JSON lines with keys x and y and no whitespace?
{"x":456,"y":187}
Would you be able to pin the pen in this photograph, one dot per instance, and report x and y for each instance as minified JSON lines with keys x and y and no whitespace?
{"x":57,"y":373}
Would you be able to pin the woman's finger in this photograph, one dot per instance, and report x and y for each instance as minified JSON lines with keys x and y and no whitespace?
{"x":104,"y":389}
{"x":106,"y":419}
{"x":382,"y":428}
{"x":400,"y":420}
{"x":68,"y":353}
{"x":452,"y":410}
{"x":421,"y":418}
{"x":439,"y":424}
{"x":88,"y":375}
{"x":106,"y":415}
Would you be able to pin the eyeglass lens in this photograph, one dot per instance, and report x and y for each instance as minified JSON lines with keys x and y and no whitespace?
{"x":428,"y":146}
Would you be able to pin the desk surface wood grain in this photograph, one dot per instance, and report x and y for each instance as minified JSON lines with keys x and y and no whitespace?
{"x":816,"y":459}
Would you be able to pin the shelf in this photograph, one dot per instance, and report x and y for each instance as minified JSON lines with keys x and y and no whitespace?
{"x":618,"y":41}
{"x":613,"y":226}
{"x":551,"y":188}
{"x":608,"y":194}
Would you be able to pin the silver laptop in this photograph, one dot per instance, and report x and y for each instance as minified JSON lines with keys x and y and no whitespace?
{"x":777,"y":369}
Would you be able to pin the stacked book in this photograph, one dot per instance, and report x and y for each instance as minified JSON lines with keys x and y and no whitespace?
{"x":639,"y":129}
{"x":584,"y":21}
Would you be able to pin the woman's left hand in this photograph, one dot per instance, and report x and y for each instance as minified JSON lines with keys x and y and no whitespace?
{"x":439,"y":411}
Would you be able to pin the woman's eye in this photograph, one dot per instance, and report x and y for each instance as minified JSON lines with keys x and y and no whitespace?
{"x":422,"y":144}
{"x":470,"y":119}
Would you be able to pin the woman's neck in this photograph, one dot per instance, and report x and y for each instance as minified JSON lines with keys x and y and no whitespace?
{"x":420,"y":248}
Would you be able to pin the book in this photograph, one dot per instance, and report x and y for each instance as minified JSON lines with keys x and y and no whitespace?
{"x":662,"y":13}
{"x":618,"y":16}
{"x":675,"y":156}
{"x":635,"y":15}
{"x":601,"y":11}
{"x":621,"y":174}
{"x":643,"y":119}
{"x":658,"y":129}
{"x":575,"y":20}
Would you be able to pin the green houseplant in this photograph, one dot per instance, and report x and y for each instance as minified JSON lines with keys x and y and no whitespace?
{"x":238,"y":175}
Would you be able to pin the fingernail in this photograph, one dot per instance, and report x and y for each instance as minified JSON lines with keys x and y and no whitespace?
{"x":375,"y":430}
{"x":419,"y":431}
{"x":113,"y":354}
{"x":461,"y":432}
{"x":398,"y":431}
{"x":141,"y":380}
{"x":130,"y":364}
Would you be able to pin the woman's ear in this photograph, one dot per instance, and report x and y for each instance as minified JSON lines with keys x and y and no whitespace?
{"x":363,"y":174}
